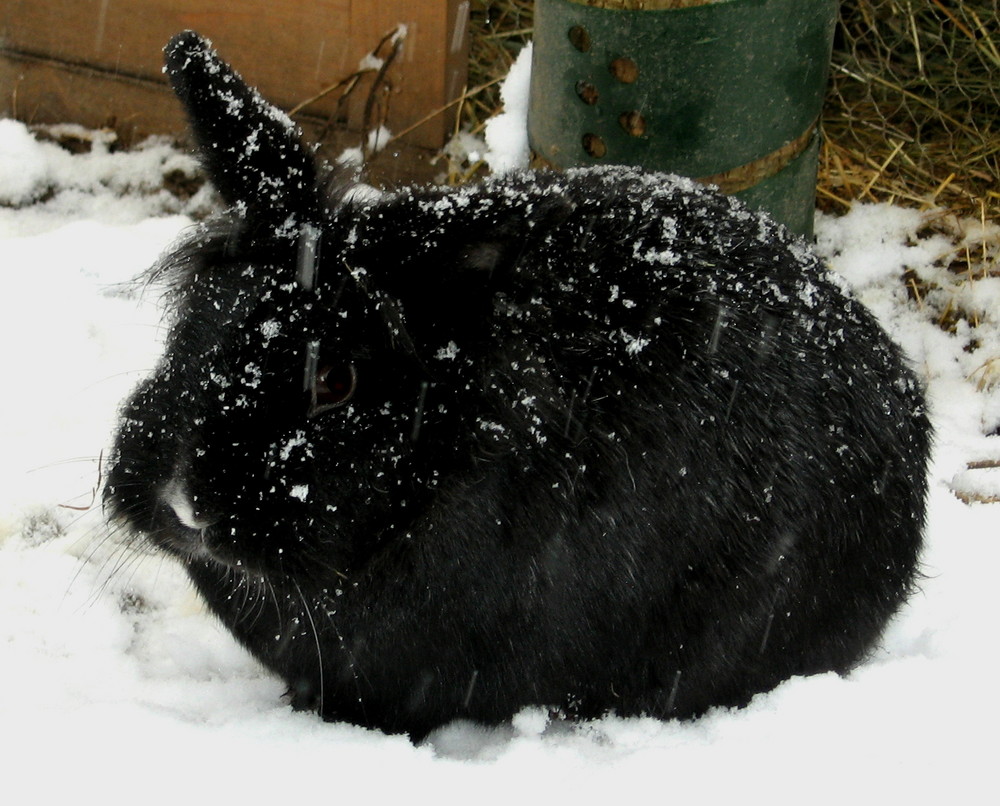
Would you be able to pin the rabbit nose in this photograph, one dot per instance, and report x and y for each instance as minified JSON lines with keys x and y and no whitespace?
{"x":176,"y":496}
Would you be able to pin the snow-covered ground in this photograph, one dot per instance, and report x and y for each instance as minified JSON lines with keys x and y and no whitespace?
{"x":115,"y":683}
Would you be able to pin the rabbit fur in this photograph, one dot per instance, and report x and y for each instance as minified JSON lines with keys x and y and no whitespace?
{"x":601,"y":441}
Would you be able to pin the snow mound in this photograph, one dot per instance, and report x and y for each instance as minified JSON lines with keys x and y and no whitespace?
{"x":114,"y":675}
{"x":507,"y":133}
{"x":154,"y":177}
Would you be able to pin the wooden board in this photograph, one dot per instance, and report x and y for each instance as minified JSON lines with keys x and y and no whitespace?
{"x":97,"y":62}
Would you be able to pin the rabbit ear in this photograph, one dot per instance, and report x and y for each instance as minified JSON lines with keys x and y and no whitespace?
{"x":251,"y":150}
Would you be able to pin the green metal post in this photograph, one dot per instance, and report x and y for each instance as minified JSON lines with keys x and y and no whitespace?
{"x":727,"y":91}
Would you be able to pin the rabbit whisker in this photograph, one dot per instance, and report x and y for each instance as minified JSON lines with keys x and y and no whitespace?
{"x":319,"y":648}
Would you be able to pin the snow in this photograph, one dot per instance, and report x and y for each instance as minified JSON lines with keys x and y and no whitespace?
{"x":507,"y":134}
{"x":116,"y":680}
{"x":31,"y":171}
{"x":378,"y":139}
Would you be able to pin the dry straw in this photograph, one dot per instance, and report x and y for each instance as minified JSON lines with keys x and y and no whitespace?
{"x":913,"y":114}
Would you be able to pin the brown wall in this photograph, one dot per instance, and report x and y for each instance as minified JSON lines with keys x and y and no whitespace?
{"x":97,"y":62}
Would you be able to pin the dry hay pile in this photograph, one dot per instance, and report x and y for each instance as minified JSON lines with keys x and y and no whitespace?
{"x":913,"y":114}
{"x":913,"y":118}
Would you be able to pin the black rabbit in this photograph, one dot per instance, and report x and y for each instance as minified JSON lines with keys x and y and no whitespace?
{"x":604,"y":441}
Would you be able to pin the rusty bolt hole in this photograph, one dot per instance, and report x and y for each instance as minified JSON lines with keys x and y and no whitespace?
{"x":633,"y":123}
{"x":587,"y":92}
{"x":594,"y":146}
{"x":625,"y":70}
{"x":579,"y":37}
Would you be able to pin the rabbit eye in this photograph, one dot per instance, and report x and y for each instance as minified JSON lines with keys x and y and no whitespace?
{"x":335,"y":385}
{"x":328,"y":384}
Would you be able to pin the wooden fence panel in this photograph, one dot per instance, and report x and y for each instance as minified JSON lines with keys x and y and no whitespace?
{"x":98,"y":62}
